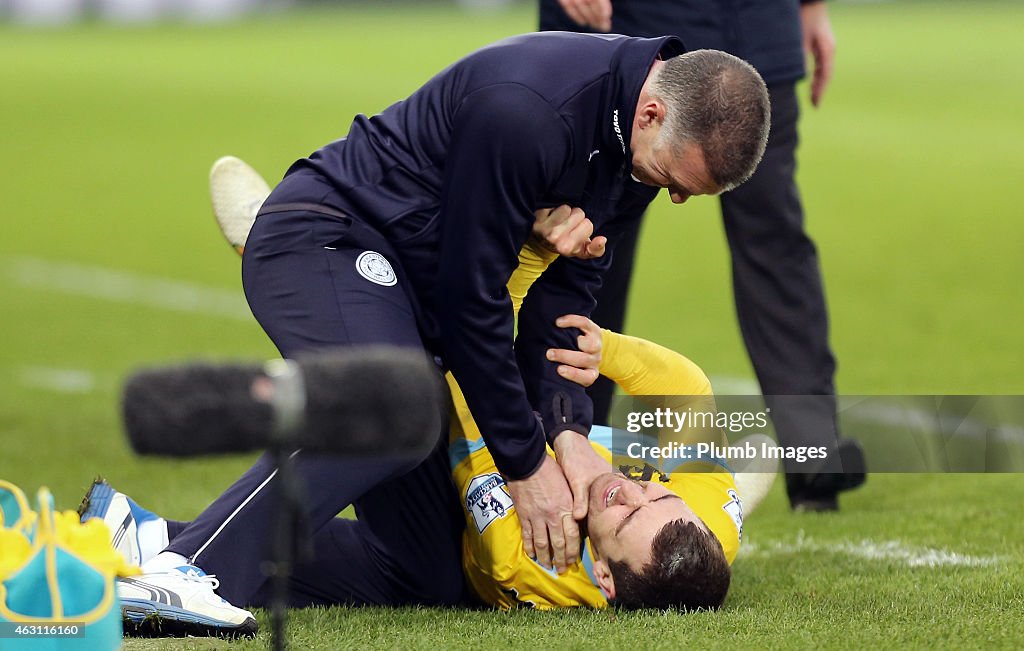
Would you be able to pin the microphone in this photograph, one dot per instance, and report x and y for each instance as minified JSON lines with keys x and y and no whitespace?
{"x":356,"y":401}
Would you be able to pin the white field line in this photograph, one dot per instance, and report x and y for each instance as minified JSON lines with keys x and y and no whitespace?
{"x":162,"y":293}
{"x":870,"y":550}
{"x":125,"y":287}
{"x":59,"y":380}
{"x":735,"y":386}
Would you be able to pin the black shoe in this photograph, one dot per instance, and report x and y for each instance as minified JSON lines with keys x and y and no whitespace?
{"x":820,"y":492}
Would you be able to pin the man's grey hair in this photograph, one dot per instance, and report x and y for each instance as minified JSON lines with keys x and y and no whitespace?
{"x":720,"y":103}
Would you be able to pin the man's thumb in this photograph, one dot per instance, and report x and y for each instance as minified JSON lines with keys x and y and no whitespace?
{"x":579,"y":502}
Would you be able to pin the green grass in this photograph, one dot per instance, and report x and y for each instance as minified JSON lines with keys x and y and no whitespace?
{"x":912,"y":178}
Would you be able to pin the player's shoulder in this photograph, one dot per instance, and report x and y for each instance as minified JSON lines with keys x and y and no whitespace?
{"x":554,"y":66}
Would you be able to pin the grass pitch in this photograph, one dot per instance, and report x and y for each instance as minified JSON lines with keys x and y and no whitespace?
{"x":911,"y":174}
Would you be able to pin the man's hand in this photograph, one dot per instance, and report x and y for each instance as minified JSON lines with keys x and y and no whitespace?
{"x":567,"y":231}
{"x":580,"y":366}
{"x":820,"y":42}
{"x":590,"y":13}
{"x":581,"y":465}
{"x":545,"y":507}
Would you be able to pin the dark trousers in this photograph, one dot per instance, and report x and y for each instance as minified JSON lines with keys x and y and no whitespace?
{"x":309,"y":288}
{"x":404,"y":549}
{"x":780,"y":301}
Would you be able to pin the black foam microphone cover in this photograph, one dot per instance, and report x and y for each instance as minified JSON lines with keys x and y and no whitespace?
{"x":354,"y":401}
{"x":371,"y":400}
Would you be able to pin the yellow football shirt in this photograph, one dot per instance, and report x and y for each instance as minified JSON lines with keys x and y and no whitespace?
{"x":495,"y":562}
{"x":496,"y":565}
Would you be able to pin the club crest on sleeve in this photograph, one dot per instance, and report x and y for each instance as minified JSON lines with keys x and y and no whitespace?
{"x":376,"y":268}
{"x":734,"y":507}
{"x":487,"y":499}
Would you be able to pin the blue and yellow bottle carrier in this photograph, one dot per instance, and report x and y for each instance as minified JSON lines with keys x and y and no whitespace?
{"x":57,"y":578}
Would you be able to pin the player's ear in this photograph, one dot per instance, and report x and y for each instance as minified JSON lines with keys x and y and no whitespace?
{"x":603,"y":574}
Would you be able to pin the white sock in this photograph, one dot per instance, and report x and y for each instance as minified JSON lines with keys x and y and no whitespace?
{"x":163,"y":562}
{"x":152,"y":535}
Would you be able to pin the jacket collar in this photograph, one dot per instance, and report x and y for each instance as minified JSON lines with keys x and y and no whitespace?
{"x":629,"y":69}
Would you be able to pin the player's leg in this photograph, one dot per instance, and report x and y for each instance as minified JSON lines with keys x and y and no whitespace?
{"x":306,"y":284}
{"x":178,"y":599}
{"x":779,"y":295}
{"x":303,"y":280}
{"x":404,"y":549}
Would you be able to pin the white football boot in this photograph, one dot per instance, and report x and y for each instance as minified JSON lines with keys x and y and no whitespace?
{"x":236,"y":191}
{"x":180,"y":602}
{"x":136,"y":533}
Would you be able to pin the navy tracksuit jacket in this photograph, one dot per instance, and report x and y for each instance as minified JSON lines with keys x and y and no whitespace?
{"x":405,"y":233}
{"x":451,"y":177}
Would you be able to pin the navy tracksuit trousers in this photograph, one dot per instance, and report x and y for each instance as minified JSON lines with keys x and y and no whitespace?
{"x":312,"y":284}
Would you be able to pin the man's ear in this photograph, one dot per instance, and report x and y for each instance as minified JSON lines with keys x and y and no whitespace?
{"x":651,"y":112}
{"x":603,"y":574}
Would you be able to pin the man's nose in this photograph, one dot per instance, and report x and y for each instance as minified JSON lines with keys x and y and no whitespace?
{"x":631,"y":494}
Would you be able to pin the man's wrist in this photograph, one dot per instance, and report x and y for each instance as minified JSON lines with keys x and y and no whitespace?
{"x":565,"y":439}
{"x":556,"y":438}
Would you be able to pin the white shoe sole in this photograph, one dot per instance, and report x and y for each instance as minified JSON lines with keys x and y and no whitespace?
{"x":236,"y":191}
{"x":158,"y":605}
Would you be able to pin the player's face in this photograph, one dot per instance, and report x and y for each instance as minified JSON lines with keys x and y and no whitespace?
{"x":624,"y":516}
{"x":684,"y":173}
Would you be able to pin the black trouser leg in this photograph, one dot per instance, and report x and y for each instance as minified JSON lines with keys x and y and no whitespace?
{"x":780,"y":301}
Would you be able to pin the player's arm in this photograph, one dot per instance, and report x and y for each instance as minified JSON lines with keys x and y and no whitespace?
{"x":534,"y":258}
{"x":500,"y":161}
{"x":567,"y":287}
{"x":642,"y":367}
{"x":507,"y":147}
{"x":661,"y":377}
{"x":657,"y":376}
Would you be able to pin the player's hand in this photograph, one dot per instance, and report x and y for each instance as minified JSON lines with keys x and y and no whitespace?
{"x":567,"y":231}
{"x":545,"y":507}
{"x":581,"y":465}
{"x":581,"y":366}
{"x":820,"y":42}
{"x":590,"y":13}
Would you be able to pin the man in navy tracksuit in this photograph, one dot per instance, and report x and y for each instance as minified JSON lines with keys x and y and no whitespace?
{"x":405,"y":233}
{"x":779,"y":295}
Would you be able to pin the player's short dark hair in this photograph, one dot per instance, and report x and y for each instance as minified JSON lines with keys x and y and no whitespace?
{"x":721,"y":103}
{"x":687,"y":571}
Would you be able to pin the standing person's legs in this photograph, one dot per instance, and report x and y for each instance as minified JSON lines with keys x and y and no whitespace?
{"x":610,"y":312}
{"x":309,"y":289}
{"x":780,"y":299}
{"x":613,"y":295}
